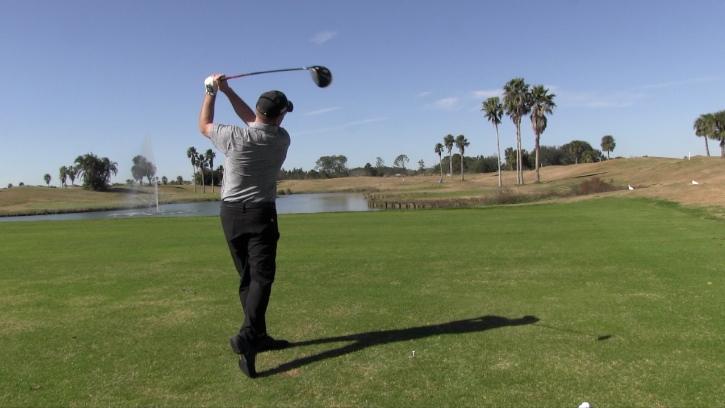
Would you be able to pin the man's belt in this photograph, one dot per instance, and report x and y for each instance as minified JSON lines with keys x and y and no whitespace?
{"x":247,"y":205}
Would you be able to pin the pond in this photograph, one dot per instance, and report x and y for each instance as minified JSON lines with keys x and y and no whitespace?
{"x":291,"y":204}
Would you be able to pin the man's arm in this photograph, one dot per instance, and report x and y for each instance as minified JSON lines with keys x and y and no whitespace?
{"x":206,"y":118}
{"x":242,"y":110}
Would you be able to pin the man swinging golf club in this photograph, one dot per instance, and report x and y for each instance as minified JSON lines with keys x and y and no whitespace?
{"x":254,"y":157}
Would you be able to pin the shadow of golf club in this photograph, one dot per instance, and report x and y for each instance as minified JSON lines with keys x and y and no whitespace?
{"x":376,"y":338}
{"x":599,"y":337}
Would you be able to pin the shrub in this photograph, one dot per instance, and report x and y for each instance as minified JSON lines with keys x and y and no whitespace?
{"x":595,"y":185}
{"x":505,"y":196}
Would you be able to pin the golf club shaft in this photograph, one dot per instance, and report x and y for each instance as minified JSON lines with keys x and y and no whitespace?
{"x":265,"y":72}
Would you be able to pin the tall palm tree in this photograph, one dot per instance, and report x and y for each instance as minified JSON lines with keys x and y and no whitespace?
{"x":448,"y":142}
{"x":608,"y":144}
{"x":494,"y":112}
{"x":47,"y":179}
{"x":201,"y":163}
{"x":191,"y":153}
{"x":703,"y":127}
{"x":63,"y":173}
{"x":542,"y":104}
{"x":439,"y":151}
{"x":516,"y":103}
{"x":719,"y":130}
{"x":210,"y":155}
{"x":461,"y":144}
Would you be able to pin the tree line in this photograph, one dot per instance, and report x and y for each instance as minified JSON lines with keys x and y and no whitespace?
{"x":574,"y":152}
{"x":519,"y":99}
{"x":95,"y":172}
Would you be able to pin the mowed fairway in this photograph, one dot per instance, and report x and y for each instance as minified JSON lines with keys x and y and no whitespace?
{"x":618,"y":302}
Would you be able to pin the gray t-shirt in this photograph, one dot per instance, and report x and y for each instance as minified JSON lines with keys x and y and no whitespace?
{"x":254,"y":157}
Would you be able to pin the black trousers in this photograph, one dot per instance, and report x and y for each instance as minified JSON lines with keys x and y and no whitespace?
{"x":252,"y":234}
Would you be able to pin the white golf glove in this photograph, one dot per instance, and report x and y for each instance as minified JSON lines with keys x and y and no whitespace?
{"x":211,"y":86}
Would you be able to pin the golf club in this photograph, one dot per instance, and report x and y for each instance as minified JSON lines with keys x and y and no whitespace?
{"x":321,"y":75}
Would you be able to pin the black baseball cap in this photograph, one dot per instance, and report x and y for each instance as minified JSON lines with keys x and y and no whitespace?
{"x":273,"y":103}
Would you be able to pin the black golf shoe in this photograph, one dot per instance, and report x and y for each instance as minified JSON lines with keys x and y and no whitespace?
{"x":268,"y":343}
{"x":247,"y":355}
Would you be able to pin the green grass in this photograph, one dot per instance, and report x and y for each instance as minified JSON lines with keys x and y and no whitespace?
{"x":138,"y":312}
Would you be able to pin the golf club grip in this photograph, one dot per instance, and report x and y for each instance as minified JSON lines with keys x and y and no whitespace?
{"x":233,"y":76}
{"x":264,"y":72}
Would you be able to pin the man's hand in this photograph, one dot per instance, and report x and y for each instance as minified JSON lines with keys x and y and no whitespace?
{"x":222,"y":83}
{"x":206,"y":117}
{"x":211,"y":85}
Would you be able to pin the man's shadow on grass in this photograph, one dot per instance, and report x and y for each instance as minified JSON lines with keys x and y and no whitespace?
{"x":376,"y":338}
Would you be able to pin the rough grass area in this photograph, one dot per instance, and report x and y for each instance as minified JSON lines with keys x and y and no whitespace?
{"x":498,"y":196}
{"x":617,"y":302}
{"x":652,"y":177}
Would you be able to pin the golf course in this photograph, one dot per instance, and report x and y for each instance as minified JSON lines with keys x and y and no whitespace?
{"x":617,"y":299}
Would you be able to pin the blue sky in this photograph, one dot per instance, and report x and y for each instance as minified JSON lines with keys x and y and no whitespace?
{"x":102,"y":76}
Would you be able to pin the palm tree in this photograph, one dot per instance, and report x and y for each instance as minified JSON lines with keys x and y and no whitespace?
{"x":210,"y":155}
{"x":461,"y":144}
{"x":576,"y":148}
{"x":494,"y":112}
{"x":448,"y":141}
{"x":108,"y":167}
{"x":719,"y":130}
{"x":703,"y":128}
{"x":220,"y":171}
{"x":516,"y":103}
{"x":63,"y":175}
{"x":608,"y":144}
{"x":85,"y":167}
{"x":510,"y":154}
{"x":439,"y":151}
{"x":191,"y":153}
{"x":47,"y":179}
{"x":542,"y":104}
{"x":201,"y":163}
{"x":71,"y":171}
{"x":96,"y":171}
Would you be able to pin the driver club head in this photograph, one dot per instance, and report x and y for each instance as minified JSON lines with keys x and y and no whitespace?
{"x":321,"y":75}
